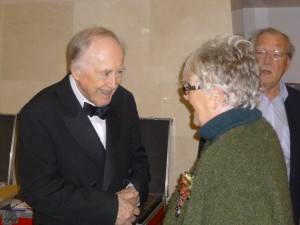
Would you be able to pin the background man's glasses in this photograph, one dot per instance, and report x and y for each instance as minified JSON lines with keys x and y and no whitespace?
{"x":275,"y":55}
{"x":186,"y":88}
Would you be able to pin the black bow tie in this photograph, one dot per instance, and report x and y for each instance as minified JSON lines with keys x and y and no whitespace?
{"x":91,"y":110}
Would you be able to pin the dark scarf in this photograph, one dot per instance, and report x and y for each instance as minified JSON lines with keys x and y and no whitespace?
{"x":225,"y":121}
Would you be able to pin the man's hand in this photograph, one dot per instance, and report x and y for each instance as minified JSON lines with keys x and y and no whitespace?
{"x":128,"y":210}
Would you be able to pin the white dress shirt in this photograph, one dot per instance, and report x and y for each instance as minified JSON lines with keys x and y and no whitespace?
{"x":274,"y":112}
{"x":99,"y":124}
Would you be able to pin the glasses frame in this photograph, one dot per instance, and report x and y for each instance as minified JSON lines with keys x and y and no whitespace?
{"x":186,"y":88}
{"x":263,"y":52}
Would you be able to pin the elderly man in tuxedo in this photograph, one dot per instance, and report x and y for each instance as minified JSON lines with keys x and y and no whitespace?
{"x":81,"y":158}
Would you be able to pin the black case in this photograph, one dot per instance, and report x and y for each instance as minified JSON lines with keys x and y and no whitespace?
{"x":156,"y":139}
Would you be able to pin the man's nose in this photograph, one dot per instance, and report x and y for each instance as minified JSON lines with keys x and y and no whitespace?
{"x":267,"y":58}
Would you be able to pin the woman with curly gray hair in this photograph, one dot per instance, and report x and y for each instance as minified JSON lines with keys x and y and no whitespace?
{"x":239,"y":179}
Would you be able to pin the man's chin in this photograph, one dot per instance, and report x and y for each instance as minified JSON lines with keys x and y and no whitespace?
{"x":265,"y":79}
{"x":103,"y":102}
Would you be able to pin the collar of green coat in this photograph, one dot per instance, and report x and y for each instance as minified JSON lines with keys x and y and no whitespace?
{"x":225,"y":121}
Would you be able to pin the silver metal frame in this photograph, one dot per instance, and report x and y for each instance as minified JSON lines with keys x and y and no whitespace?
{"x":11,"y":164}
{"x":11,"y":167}
{"x":168,"y":159}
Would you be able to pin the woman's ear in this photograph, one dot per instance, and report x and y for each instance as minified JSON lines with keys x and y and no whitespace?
{"x":218,"y":97}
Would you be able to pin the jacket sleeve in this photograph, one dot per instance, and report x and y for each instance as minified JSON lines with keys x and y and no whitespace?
{"x":140,"y":176}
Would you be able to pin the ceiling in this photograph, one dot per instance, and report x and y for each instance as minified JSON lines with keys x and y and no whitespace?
{"x":269,"y":3}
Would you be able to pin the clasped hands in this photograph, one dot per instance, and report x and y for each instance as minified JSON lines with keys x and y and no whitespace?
{"x":128,"y":210}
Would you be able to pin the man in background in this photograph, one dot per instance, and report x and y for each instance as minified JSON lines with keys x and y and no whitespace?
{"x":281,"y":104}
{"x":81,"y":158}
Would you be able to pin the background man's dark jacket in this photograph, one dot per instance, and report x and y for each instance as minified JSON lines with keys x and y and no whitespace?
{"x":292,"y":107}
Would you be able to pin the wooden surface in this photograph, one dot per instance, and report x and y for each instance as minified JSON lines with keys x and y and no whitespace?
{"x":8,"y":192}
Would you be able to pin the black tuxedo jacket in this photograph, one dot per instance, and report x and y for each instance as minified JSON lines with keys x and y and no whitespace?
{"x":66,"y":175}
{"x":292,"y":107}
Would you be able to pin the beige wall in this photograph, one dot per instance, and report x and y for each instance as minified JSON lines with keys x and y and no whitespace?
{"x":159,"y":35}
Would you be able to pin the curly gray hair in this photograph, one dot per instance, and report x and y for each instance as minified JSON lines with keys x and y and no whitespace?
{"x":227,"y":62}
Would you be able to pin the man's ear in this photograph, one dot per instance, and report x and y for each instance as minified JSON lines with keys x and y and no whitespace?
{"x":75,"y":70}
{"x":288,"y":63}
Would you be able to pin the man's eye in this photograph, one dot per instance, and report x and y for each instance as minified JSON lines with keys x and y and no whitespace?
{"x":276,"y":55}
{"x":105,"y":74}
{"x":260,"y":52}
{"x":120,"y":72}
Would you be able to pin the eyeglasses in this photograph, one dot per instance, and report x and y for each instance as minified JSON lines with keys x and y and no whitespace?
{"x":275,"y":54}
{"x":186,"y":88}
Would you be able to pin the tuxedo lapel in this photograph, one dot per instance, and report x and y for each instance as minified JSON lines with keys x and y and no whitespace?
{"x":84,"y":133}
{"x":112,"y":141}
{"x":79,"y":125}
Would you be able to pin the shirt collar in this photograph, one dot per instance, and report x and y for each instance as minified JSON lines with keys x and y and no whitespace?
{"x":283,"y":90}
{"x":77,"y":93}
{"x":283,"y":93}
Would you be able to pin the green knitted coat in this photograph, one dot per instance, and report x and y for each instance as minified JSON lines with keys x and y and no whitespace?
{"x":240,"y":178}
